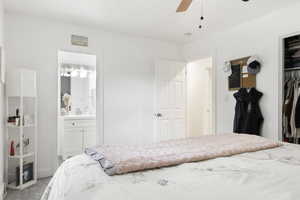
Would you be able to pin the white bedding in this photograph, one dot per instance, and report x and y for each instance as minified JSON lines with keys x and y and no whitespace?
{"x":265,"y":175}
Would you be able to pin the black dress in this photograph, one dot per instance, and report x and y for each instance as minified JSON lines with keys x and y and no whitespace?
{"x":248,"y":117}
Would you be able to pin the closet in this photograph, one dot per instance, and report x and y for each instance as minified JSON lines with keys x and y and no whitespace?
{"x":291,"y":91}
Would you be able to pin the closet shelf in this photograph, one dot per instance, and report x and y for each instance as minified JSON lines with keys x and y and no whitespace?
{"x":292,"y":69}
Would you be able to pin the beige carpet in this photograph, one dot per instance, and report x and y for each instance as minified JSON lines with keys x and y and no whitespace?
{"x":32,"y":193}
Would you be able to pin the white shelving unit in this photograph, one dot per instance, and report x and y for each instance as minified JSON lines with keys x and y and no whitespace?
{"x":21,"y":94}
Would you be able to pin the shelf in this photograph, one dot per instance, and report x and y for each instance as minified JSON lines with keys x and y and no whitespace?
{"x":21,"y":94}
{"x":292,"y":69}
{"x":24,"y":156}
{"x":23,"y":97}
{"x":21,"y":187}
{"x":25,"y":126}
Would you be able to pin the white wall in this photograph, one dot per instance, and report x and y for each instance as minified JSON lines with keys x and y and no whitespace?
{"x":199,"y":97}
{"x":125,"y":67}
{"x":260,"y":37}
{"x":1,"y":109}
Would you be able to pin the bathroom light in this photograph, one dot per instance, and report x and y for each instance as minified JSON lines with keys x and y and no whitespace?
{"x":74,"y":73}
{"x":83,"y":73}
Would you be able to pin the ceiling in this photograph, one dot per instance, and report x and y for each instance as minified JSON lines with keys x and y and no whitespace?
{"x":150,"y":18}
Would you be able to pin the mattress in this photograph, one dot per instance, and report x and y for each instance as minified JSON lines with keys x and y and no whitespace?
{"x":272,"y":174}
{"x":122,"y":159}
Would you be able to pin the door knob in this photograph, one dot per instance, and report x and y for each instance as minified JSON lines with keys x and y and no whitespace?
{"x":158,"y":115}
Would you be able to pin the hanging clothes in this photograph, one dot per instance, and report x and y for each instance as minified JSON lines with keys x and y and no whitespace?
{"x":293,"y":114}
{"x":297,"y":114}
{"x":291,"y":107}
{"x":248,"y":117}
{"x":288,"y":107}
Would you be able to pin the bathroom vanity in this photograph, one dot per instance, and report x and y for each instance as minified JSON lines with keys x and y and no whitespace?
{"x":77,"y":132}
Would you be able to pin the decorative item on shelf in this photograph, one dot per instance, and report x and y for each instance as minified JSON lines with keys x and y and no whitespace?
{"x":12,"y":149}
{"x":26,"y":143}
{"x":63,"y":111}
{"x":14,"y":120}
{"x":28,"y":120}
{"x":67,"y":102}
{"x":27,"y":173}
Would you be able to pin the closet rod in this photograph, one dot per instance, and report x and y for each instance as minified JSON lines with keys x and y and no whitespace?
{"x":292,"y":69}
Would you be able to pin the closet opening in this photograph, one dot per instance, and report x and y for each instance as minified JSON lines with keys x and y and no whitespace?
{"x":200,"y":79}
{"x":291,"y":90}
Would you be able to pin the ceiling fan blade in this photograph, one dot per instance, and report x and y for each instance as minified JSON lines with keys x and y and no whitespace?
{"x":184,"y":5}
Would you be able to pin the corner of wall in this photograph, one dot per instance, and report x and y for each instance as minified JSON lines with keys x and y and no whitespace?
{"x":2,"y":191}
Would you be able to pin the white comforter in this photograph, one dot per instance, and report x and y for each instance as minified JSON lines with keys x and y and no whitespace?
{"x":265,"y":175}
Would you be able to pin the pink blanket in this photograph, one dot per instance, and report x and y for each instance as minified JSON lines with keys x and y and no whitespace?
{"x":123,"y":159}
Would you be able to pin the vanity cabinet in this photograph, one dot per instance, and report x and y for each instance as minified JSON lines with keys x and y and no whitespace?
{"x":76,"y":135}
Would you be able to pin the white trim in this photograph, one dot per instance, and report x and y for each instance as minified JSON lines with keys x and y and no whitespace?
{"x":155,"y":107}
{"x":280,"y":80}
{"x":44,"y":173}
{"x":2,"y":191}
{"x":214,"y":93}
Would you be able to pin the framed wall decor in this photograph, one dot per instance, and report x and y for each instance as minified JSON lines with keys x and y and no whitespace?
{"x":240,"y":78}
{"x":234,"y":80}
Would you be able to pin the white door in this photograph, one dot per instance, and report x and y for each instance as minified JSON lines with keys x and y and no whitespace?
{"x":170,"y":116}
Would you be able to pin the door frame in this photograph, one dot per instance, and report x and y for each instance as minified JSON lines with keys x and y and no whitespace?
{"x":155,"y":120}
{"x":213,"y":92}
{"x":280,"y":77}
{"x":99,"y":95}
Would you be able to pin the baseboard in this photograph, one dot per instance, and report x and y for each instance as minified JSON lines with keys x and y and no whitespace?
{"x":44,"y":173}
{"x":2,"y":194}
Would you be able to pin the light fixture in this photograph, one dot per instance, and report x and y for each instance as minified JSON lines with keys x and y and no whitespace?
{"x":74,"y":73}
{"x":83,"y":73}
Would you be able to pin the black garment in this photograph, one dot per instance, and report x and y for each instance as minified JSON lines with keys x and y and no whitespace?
{"x":248,"y":117}
{"x":297,"y":114}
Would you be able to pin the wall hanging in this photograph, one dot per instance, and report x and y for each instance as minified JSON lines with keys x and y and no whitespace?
{"x":243,"y":72}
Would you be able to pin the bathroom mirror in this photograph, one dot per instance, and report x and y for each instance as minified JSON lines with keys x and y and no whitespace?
{"x":76,"y":104}
{"x":77,"y":84}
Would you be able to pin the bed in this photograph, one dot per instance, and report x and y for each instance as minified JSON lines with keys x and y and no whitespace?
{"x":270,"y":174}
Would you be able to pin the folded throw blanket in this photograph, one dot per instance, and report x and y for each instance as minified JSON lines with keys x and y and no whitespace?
{"x":124,"y":159}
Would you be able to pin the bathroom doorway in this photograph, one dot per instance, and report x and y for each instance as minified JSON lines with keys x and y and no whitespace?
{"x":200,"y":96}
{"x":76,"y":116}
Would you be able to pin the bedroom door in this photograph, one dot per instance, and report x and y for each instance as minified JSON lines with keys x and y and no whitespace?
{"x":170,"y":115}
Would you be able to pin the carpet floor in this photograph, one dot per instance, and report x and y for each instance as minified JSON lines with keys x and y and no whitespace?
{"x":34,"y":192}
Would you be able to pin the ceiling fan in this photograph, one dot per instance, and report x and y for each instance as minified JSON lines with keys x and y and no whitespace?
{"x":184,"y":5}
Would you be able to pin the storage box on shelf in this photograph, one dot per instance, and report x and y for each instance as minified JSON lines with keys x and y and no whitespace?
{"x":21,"y":128}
